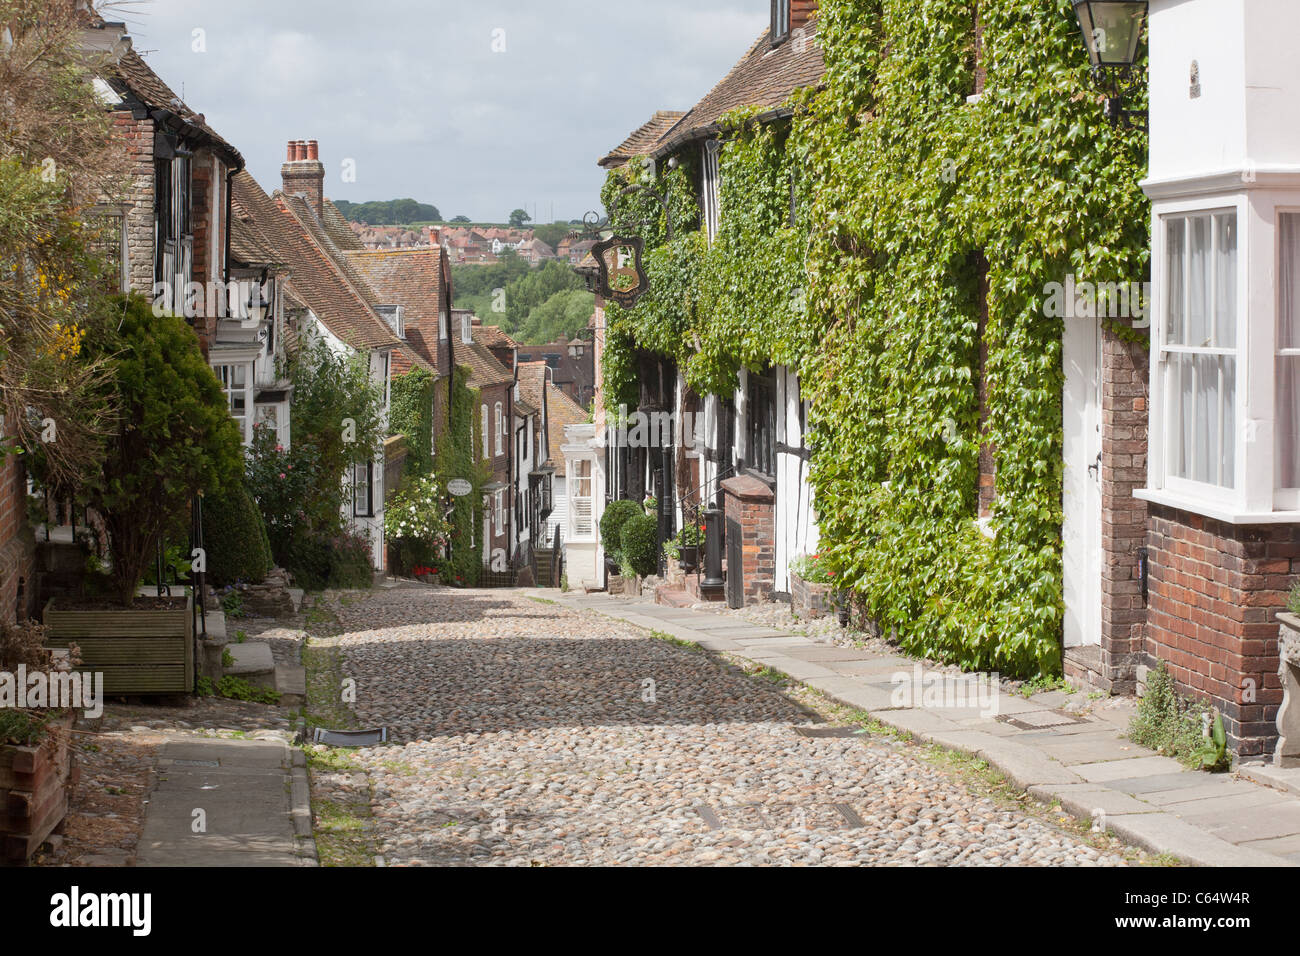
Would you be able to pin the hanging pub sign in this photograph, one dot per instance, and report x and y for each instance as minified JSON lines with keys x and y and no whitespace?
{"x":621,"y":276}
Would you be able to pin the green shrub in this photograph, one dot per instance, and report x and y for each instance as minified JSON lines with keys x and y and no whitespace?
{"x":349,"y":562}
{"x":234,"y":538}
{"x":1171,"y":725}
{"x":174,"y":436}
{"x":640,"y":544}
{"x":1293,"y":599}
{"x":617,"y":513}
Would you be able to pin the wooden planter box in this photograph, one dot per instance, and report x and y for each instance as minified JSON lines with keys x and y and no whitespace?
{"x":145,"y":651}
{"x":35,"y":786}
{"x":808,"y":599}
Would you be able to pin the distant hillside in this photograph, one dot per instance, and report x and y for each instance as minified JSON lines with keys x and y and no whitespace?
{"x":390,"y":212}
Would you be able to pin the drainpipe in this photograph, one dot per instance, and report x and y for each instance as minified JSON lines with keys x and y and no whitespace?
{"x":230,"y":175}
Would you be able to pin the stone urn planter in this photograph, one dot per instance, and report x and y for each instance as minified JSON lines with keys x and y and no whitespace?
{"x":145,"y":649}
{"x":36,"y":783}
{"x":1287,"y":753}
{"x":808,"y":599}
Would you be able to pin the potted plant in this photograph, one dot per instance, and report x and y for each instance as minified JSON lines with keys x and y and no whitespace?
{"x":811,"y":586}
{"x":617,"y":513}
{"x":689,"y":541}
{"x":172,"y":439}
{"x":37,"y":766}
{"x":650,"y":503}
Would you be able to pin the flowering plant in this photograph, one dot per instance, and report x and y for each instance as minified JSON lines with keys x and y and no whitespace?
{"x":416,"y":513}
{"x":690,"y":536}
{"x":812,"y":568}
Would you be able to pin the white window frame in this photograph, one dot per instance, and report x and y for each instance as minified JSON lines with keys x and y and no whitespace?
{"x":1227,"y":482}
{"x":711,"y":181}
{"x":487,"y":450}
{"x":571,"y":490}
{"x":1253,"y":499}
{"x":442,"y":324}
{"x":225,"y":372}
{"x":1284,"y":498}
{"x":500,"y":430}
{"x":499,"y":511}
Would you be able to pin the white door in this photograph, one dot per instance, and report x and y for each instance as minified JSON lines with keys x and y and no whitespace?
{"x":1081,"y":495}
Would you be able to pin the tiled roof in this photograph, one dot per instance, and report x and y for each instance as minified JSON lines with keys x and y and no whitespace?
{"x":764,"y":78}
{"x":316,"y":279}
{"x":251,"y":210}
{"x":136,"y":77}
{"x":492,"y":337}
{"x":338,"y":228}
{"x":643,"y":138}
{"x":484,"y":369}
{"x":532,"y":383}
{"x":411,"y":278}
{"x":561,"y":410}
{"x":305,"y":213}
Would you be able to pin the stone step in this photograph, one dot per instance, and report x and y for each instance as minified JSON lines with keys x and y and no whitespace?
{"x":673,"y":597}
{"x":253,"y":662}
{"x":291,"y":682}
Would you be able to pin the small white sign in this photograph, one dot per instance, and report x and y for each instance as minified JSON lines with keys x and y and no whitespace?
{"x":459,"y":487}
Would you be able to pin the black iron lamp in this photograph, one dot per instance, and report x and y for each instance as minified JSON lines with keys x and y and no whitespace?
{"x":1111,"y":32}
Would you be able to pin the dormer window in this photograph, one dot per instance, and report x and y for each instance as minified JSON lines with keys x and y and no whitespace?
{"x":392,"y":314}
{"x":466,"y":330}
{"x":780,"y":20}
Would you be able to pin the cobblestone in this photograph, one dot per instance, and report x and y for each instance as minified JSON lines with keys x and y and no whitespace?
{"x":530,"y":734}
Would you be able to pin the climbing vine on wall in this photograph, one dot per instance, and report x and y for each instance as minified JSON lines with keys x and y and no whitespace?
{"x":411,"y":415}
{"x":457,"y":457}
{"x":910,"y":197}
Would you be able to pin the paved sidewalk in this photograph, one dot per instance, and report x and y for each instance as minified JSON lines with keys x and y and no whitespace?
{"x":1084,"y":761}
{"x":228,"y":802}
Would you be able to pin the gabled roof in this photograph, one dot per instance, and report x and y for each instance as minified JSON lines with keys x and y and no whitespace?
{"x":316,"y":279}
{"x":643,"y":138}
{"x":492,"y":337}
{"x":532,"y":383}
{"x":561,"y":410}
{"x":764,"y":78}
{"x":484,"y":370}
{"x":338,"y":228}
{"x":131,"y":74}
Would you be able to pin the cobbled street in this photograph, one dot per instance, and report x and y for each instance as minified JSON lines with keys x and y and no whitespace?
{"x":524,"y":733}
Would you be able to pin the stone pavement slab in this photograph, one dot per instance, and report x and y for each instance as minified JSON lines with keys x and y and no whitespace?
{"x":221,"y":802}
{"x":1119,"y":769}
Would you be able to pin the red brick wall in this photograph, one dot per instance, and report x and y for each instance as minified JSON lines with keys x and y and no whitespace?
{"x":1214,"y":591}
{"x":17,"y":554}
{"x":801,"y":11}
{"x":1124,"y":373}
{"x":750,"y":503}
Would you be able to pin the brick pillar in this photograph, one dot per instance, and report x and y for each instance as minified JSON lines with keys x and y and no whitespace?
{"x":751,"y":504}
{"x":1124,"y":374}
{"x":1215,"y":589}
{"x":17,"y":546}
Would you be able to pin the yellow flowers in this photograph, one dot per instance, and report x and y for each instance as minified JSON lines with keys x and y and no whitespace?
{"x":66,"y":342}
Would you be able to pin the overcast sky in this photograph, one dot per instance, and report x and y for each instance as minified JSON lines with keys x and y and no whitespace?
{"x":414,"y":93}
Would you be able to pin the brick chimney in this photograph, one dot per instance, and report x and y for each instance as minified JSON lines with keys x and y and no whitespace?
{"x":801,"y":11}
{"x":303,"y":174}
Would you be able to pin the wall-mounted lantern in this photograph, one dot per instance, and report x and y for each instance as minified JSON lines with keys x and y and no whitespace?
{"x":1111,"y":32}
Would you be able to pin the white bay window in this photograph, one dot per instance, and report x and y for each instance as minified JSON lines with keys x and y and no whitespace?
{"x":1198,"y":351}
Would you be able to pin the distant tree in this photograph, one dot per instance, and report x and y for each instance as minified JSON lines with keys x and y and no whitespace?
{"x":519,"y":217}
{"x":552,"y":233}
{"x":391,"y":212}
{"x":462,"y":219}
{"x":565,"y":313}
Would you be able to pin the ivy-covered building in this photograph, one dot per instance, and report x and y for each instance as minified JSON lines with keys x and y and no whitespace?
{"x":693,"y":418}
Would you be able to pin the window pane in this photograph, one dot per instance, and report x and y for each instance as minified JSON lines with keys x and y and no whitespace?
{"x":1288,"y":421}
{"x":1225,"y":281}
{"x":1175,"y":240}
{"x":1199,"y":279}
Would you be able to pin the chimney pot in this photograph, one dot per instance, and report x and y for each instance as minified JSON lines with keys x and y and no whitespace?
{"x":290,"y":153}
{"x":313,"y":150}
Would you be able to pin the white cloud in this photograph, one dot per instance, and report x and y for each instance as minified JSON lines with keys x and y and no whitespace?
{"x":412,"y":90}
